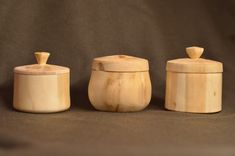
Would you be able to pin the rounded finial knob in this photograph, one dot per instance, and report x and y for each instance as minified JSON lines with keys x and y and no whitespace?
{"x":194,"y":52}
{"x":42,"y":57}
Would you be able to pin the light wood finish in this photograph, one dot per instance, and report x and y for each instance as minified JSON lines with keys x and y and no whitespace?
{"x":41,"y":93}
{"x":194,"y":84}
{"x":120,"y":63}
{"x":194,"y":64}
{"x":41,"y":88}
{"x":41,"y":68}
{"x":194,"y":52}
{"x":42,"y":57}
{"x":37,"y":69}
{"x":198,"y":93}
{"x":119,"y":92}
{"x":120,"y":83}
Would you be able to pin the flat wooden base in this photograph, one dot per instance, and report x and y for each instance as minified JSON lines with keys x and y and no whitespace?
{"x":41,"y":111}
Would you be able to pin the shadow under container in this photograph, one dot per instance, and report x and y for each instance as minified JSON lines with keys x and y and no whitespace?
{"x":120,"y":83}
{"x":41,"y":88}
{"x":194,"y":84}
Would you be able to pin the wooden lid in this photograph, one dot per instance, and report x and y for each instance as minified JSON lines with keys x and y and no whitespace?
{"x":194,"y":64}
{"x":120,"y":63}
{"x":41,"y":68}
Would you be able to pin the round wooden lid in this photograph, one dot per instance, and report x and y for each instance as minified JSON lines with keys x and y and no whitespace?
{"x":41,"y":68}
{"x":120,"y":63}
{"x":194,"y":64}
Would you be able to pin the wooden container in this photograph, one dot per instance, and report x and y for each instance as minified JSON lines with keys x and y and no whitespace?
{"x":194,"y":84}
{"x":120,"y":83}
{"x":41,"y":88}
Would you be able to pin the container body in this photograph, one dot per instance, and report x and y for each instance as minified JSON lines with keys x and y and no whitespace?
{"x":41,"y":93}
{"x":119,"y":91}
{"x":194,"y":92}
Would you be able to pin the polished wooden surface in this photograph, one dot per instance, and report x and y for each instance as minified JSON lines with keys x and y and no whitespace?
{"x":41,"y":93}
{"x":41,"y":68}
{"x":194,"y":64}
{"x":198,"y":93}
{"x":120,"y":63}
{"x":41,"y":88}
{"x":194,"y":84}
{"x":120,"y":92}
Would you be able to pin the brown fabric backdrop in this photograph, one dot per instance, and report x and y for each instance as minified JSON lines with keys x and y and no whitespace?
{"x":76,"y":31}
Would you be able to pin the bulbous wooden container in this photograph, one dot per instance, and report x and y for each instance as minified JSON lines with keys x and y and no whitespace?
{"x":41,"y":88}
{"x":120,"y":83}
{"x":194,"y":84}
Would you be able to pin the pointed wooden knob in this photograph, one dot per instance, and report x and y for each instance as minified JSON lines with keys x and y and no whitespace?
{"x":194,"y":52}
{"x":42,"y":57}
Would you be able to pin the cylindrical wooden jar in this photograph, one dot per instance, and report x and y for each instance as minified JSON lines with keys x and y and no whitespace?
{"x":194,"y":84}
{"x":41,"y":88}
{"x":120,"y":83}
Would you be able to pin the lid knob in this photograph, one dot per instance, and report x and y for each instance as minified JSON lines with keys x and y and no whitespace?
{"x":194,"y":52}
{"x":42,"y":57}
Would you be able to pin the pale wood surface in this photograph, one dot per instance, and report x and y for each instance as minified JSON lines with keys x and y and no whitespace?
{"x":194,"y":64}
{"x":194,"y":84}
{"x":42,"y":57}
{"x":194,"y":52}
{"x":200,"y":65}
{"x":198,"y":93}
{"x":119,"y":92}
{"x":41,"y":68}
{"x":120,"y":63}
{"x":36,"y":69}
{"x":41,"y":93}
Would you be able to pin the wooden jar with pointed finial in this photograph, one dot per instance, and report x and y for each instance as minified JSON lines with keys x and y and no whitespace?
{"x":194,"y":84}
{"x":120,"y":83}
{"x":41,"y":88}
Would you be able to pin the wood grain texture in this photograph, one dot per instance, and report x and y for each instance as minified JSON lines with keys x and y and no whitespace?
{"x":120,"y":63}
{"x":41,"y":68}
{"x":187,"y":65}
{"x":194,"y":84}
{"x":194,"y":52}
{"x":194,"y":64}
{"x":119,"y":92}
{"x":197,"y":93}
{"x":41,"y":93}
{"x":36,"y":69}
{"x":42,"y":57}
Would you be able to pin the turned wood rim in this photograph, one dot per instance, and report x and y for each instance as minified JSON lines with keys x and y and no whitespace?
{"x":120,"y":63}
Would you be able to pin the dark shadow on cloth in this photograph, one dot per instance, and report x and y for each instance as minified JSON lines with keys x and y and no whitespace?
{"x":8,"y":143}
{"x":157,"y":103}
{"x":79,"y":97}
{"x":7,"y":96}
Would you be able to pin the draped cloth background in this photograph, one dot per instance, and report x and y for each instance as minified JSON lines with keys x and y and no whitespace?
{"x":75,"y":32}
